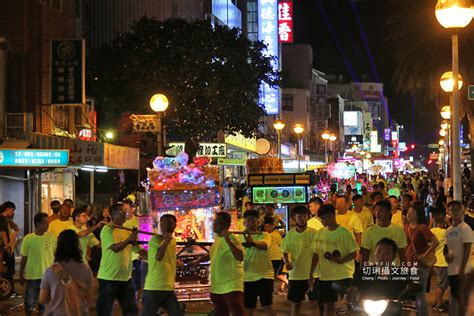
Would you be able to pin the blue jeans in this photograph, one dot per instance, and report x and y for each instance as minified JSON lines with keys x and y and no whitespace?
{"x":32,"y":289}
{"x":153,"y":300}
{"x":123,"y":291}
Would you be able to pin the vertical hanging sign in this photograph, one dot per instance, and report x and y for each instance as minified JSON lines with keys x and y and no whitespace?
{"x":285,"y":21}
{"x":268,"y":33}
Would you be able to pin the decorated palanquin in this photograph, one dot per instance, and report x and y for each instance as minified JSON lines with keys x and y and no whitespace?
{"x":189,"y":192}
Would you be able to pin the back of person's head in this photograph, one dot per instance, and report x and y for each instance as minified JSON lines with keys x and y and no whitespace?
{"x":251,"y":213}
{"x":376,"y":194}
{"x":115,"y":208}
{"x":39,"y":218}
{"x":420,"y":212}
{"x":357,"y":197}
{"x":168,"y":217}
{"x":299,"y":210}
{"x":455,"y":205}
{"x":270,"y":220}
{"x":224,"y":218}
{"x":408,"y":197}
{"x":327,"y":209}
{"x":384,"y":205}
{"x":55,"y":205}
{"x":67,"y":247}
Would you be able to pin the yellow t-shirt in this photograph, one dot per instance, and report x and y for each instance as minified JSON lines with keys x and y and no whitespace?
{"x":240,"y":224}
{"x":350,"y":221}
{"x":57,"y":226}
{"x":397,"y":218}
{"x":375,"y":233}
{"x":366,"y":218}
{"x":274,"y":251}
{"x":299,"y":247}
{"x":440,"y":233}
{"x":227,"y":273}
{"x":85,"y":242}
{"x":315,"y":223}
{"x":161,"y":274}
{"x":40,"y":253}
{"x":327,"y":241}
{"x":132,"y":223}
{"x":115,"y":266}
{"x":257,"y":263}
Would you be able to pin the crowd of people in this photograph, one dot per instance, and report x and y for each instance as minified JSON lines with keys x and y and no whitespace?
{"x":328,"y":253}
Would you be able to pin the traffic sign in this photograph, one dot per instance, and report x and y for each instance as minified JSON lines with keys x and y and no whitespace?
{"x":470,"y":92}
{"x":433,"y":146}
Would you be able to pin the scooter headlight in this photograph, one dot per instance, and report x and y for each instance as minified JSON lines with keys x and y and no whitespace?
{"x":375,"y":308}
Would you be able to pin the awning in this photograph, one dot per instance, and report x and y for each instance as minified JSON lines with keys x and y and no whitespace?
{"x":84,"y":153}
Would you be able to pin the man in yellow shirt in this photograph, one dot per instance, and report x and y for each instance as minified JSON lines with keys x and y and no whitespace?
{"x":37,"y":254}
{"x":132,"y":222}
{"x":62,"y":223}
{"x":160,"y":279}
{"x":397,"y":217}
{"x":274,"y":252}
{"x":382,"y":229}
{"x":227,"y":269}
{"x":441,"y":266}
{"x":365,"y":215}
{"x":348,"y":219}
{"x":297,"y":251}
{"x":86,"y":237}
{"x":314,"y":205}
{"x":258,"y":269}
{"x":115,"y":269}
{"x":334,"y":250}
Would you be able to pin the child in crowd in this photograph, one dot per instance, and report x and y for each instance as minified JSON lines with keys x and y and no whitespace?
{"x":274,"y":252}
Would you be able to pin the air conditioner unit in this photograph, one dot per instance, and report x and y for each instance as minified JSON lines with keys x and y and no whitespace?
{"x":19,"y":125}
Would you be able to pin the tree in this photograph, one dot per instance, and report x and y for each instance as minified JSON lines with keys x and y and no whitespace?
{"x":210,"y":74}
{"x":422,"y":50}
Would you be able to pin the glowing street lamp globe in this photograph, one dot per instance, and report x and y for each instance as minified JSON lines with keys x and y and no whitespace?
{"x":298,"y":129}
{"x":446,"y":112}
{"x":454,"y":14}
{"x":447,"y":81}
{"x":279,"y":125}
{"x":441,"y":142}
{"x":444,"y":125}
{"x":159,"y":102}
{"x":332,"y":138}
{"x":325,"y":135}
{"x":442,"y":132}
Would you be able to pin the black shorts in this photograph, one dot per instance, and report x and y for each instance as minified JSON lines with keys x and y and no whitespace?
{"x":297,"y":290}
{"x":454,"y":285}
{"x":328,"y":293}
{"x":262,"y":289}
{"x":277,"y":267}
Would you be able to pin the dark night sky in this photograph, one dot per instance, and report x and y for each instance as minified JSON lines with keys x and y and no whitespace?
{"x":342,"y":33}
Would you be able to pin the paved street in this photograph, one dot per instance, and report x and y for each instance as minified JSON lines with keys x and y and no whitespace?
{"x":282,"y":307}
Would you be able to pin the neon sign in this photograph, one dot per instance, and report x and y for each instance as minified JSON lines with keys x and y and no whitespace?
{"x":285,"y":21}
{"x":268,"y":33}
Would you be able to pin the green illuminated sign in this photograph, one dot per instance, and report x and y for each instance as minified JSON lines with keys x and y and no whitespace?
{"x":270,"y":195}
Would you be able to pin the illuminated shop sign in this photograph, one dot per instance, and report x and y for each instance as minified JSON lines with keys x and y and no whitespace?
{"x":285,"y":21}
{"x":34,"y":158}
{"x":271,"y":195}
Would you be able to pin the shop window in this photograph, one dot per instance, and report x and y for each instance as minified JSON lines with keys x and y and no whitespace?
{"x":287,"y":102}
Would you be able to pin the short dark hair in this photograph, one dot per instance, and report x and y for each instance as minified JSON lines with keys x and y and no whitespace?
{"x":341,"y":196}
{"x":316,"y":199}
{"x":376,"y":193}
{"x":455,"y":204}
{"x":67,"y":247}
{"x":55,"y":205}
{"x":8,"y":204}
{"x":251,"y":213}
{"x":357,"y":197}
{"x":115,"y":208}
{"x":327,"y":209}
{"x":225,"y":217}
{"x":420,"y":213}
{"x":393,"y":197}
{"x":388,"y":242}
{"x":168,"y":216}
{"x":385,"y":205}
{"x":68,"y":201}
{"x":407,"y":196}
{"x":269,"y":220}
{"x":300,"y":209}
{"x":78,"y":211}
{"x":39,"y":218}
{"x":248,"y":203}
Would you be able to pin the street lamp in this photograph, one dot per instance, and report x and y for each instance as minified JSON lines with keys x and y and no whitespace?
{"x":444,"y":125}
{"x":446,"y":112}
{"x":279,"y":125}
{"x":455,"y":15}
{"x":442,"y":142}
{"x":442,"y":132}
{"x":326,"y":137}
{"x":159,"y":103}
{"x":299,"y":129}
{"x":447,"y":82}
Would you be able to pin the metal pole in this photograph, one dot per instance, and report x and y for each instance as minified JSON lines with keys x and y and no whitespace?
{"x":325,"y":151}
{"x":91,"y":187}
{"x":279,"y":143}
{"x":299,"y":153}
{"x":455,"y":115}
{"x":159,"y":137}
{"x":3,"y":84}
